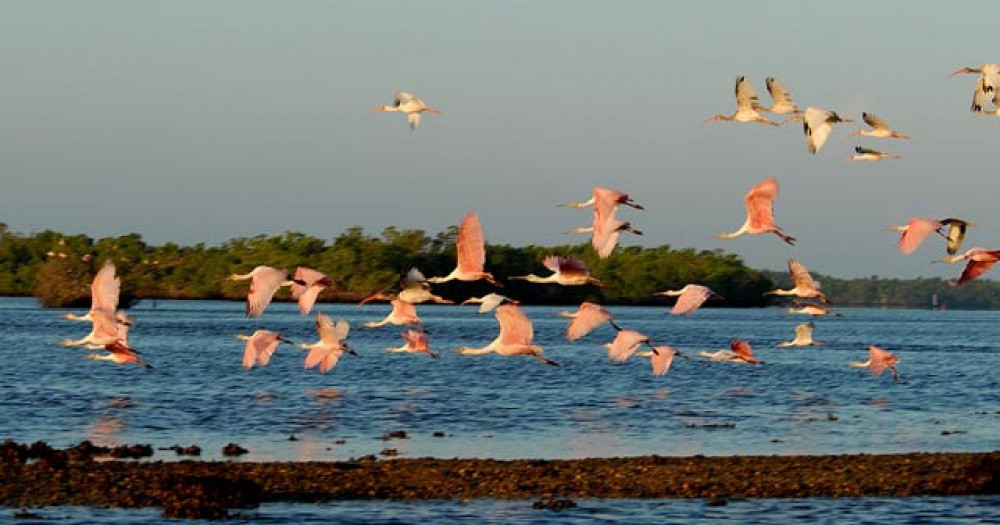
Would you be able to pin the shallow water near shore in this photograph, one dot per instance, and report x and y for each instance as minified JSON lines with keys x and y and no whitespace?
{"x":800,"y":401}
{"x":951,"y":510}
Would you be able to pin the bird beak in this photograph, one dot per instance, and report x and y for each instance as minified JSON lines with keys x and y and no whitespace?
{"x":283,"y":340}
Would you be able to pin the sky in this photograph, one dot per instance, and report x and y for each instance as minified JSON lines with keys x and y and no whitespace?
{"x":193,"y":122}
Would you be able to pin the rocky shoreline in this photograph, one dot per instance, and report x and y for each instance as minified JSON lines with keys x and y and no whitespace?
{"x":90,"y":476}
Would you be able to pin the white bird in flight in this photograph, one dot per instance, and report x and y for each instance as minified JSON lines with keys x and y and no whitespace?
{"x":803,"y":337}
{"x":747,"y":107}
{"x":409,"y":105}
{"x":327,"y":351}
{"x":880,"y":128}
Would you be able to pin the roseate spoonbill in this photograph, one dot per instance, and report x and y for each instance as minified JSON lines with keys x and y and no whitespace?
{"x":783,"y":104}
{"x":415,"y":342}
{"x":981,"y":260}
{"x":260,"y":346}
{"x":805,"y":286}
{"x":739,"y":351}
{"x":879,"y":360}
{"x":625,"y":343}
{"x":104,"y":291}
{"x":760,"y":215}
{"x":811,"y":309}
{"x":605,"y":233}
{"x":803,"y":337}
{"x":880,"y":128}
{"x":689,"y":298}
{"x":914,"y":232}
{"x":956,"y":232}
{"x":327,"y":351}
{"x":567,"y":271}
{"x":264,"y":282}
{"x":868,"y":154}
{"x":516,"y":334}
{"x":120,"y":353}
{"x":585,"y":319}
{"x":817,"y":124}
{"x":489,"y":301}
{"x":747,"y":106}
{"x":108,"y":326}
{"x":660,"y":357}
{"x":409,"y":105}
{"x":306,"y":286}
{"x":606,"y":199}
{"x":470,"y":249}
{"x":402,"y":313}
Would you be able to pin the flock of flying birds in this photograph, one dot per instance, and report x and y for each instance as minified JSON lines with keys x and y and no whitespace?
{"x":110,"y":326}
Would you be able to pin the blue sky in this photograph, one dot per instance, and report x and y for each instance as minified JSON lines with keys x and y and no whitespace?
{"x":202,"y":121}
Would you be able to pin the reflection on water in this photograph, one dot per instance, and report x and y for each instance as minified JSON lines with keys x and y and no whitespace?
{"x":798,"y":401}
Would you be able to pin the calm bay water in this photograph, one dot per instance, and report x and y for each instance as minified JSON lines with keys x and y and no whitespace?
{"x":800,"y":401}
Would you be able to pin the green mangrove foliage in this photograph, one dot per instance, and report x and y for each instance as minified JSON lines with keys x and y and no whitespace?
{"x":57,"y":269}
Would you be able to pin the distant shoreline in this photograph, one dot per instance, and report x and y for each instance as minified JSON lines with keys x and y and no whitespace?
{"x":187,"y":488}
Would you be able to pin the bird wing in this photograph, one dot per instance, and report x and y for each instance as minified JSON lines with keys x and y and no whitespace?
{"x":803,"y":332}
{"x":414,"y":279}
{"x":867,"y":151}
{"x":625,"y":344}
{"x":956,"y":233}
{"x":403,"y":309}
{"x":661,"y":359}
{"x":779,"y":94}
{"x":588,"y":317}
{"x":470,"y":246}
{"x":552,"y":263}
{"x":759,"y":204}
{"x":816,"y":128}
{"x":262,"y":287}
{"x":975,"y":268}
{"x":413,"y":118}
{"x":605,"y":237}
{"x":693,"y":297}
{"x":800,"y":276}
{"x":402,"y":97}
{"x":515,"y":328}
{"x":875,"y":122}
{"x":571,"y":266}
{"x":308,"y":299}
{"x":880,"y":359}
{"x":415,"y":340}
{"x":326,"y":329}
{"x":917,"y":230}
{"x":317,"y":355}
{"x":742,"y":349}
{"x":980,"y":97}
{"x":309,"y":277}
{"x":746,"y":97}
{"x":104,"y":289}
{"x":264,"y":343}
{"x":490,"y":301}
{"x":606,"y":200}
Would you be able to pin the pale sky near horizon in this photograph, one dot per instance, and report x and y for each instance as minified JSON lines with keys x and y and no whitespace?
{"x":202,"y":121}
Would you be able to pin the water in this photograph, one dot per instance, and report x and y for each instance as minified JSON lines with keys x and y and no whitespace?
{"x":800,"y":401}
